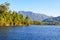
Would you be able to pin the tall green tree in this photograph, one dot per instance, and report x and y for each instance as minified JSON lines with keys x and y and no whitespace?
{"x":27,"y":20}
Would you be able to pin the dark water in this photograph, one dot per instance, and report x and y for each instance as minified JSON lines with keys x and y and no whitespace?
{"x":33,"y":32}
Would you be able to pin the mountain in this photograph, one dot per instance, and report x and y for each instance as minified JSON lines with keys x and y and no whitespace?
{"x":52,"y":19}
{"x":34,"y":16}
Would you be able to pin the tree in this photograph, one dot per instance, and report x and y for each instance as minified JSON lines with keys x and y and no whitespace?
{"x":4,"y":7}
{"x":27,"y":20}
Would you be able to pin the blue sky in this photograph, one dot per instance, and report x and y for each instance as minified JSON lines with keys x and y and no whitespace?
{"x":48,"y":7}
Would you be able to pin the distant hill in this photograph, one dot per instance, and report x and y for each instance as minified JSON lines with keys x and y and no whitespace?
{"x":34,"y":16}
{"x":52,"y":19}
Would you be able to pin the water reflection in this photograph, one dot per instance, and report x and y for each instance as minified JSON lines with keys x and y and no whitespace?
{"x":3,"y":33}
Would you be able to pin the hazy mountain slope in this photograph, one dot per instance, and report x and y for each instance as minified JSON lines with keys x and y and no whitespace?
{"x":34,"y":16}
{"x":53,"y":19}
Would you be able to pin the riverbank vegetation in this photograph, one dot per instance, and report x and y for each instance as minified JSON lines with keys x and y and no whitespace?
{"x":13,"y":18}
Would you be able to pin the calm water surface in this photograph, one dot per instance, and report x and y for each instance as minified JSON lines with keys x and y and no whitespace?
{"x":33,"y":32}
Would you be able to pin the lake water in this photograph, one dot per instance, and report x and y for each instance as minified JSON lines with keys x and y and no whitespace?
{"x":33,"y":32}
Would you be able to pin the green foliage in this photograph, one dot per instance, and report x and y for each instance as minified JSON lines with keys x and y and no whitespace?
{"x":10,"y":18}
{"x":34,"y":22}
{"x":4,"y":7}
{"x":27,"y":20}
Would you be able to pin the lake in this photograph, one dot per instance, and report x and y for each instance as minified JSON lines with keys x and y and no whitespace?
{"x":32,"y":32}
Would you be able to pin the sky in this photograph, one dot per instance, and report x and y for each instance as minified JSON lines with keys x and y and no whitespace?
{"x":47,"y":7}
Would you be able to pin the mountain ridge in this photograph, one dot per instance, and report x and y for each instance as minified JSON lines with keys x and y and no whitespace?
{"x":34,"y":16}
{"x":53,"y":19}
